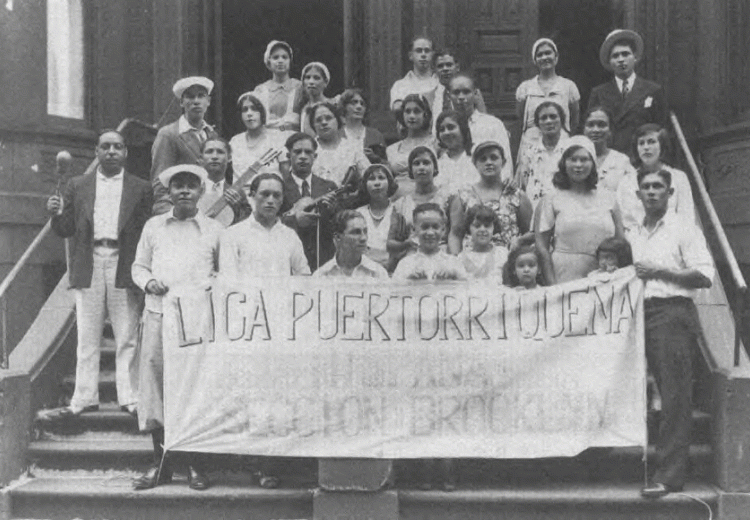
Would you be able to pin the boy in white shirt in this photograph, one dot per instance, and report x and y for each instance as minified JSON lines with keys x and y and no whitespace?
{"x":429,"y":262}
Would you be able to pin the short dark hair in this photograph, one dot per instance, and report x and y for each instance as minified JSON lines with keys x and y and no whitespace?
{"x":347,"y":97}
{"x":255,"y":103}
{"x":444,"y":52}
{"x":422,"y":103}
{"x":421,"y":37}
{"x":483,"y":214}
{"x":420,"y":150}
{"x":364,"y":195}
{"x":426,"y":207}
{"x":463,"y":124}
{"x":219,"y":139}
{"x":255,"y":183}
{"x":342,"y":218}
{"x":324,"y":104}
{"x":625,"y":40}
{"x":596,"y":108}
{"x":561,"y":181}
{"x":556,"y":106}
{"x":300,"y":136}
{"x":666,"y":176}
{"x":509,"y":269}
{"x":620,"y":247}
{"x":665,"y":146}
{"x":109,"y":131}
{"x":462,"y":75}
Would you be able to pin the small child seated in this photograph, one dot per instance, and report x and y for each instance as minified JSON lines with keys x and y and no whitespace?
{"x":612,"y":254}
{"x":484,"y":259}
{"x":429,"y":262}
{"x":523,"y":268}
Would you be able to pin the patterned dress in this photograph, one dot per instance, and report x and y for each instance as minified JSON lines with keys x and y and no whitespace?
{"x":505,"y":207}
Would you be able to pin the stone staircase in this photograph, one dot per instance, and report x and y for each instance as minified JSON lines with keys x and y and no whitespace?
{"x":82,"y":469}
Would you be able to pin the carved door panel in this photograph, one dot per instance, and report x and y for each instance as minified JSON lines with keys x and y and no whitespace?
{"x":499,"y":35}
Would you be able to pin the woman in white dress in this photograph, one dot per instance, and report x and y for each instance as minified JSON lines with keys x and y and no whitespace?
{"x":256,"y":140}
{"x":377,"y":187}
{"x":454,"y":160}
{"x":336,"y":153}
{"x":415,"y":115}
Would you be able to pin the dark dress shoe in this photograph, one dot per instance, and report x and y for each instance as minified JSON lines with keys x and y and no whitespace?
{"x":658,"y":490}
{"x":152,"y":478}
{"x":197,"y":479}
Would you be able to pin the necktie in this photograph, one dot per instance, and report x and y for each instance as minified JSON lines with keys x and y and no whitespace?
{"x":305,"y":188}
{"x":446,"y":100}
{"x":625,"y":89}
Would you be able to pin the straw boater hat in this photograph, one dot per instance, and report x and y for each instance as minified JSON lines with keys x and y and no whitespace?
{"x":185,"y":83}
{"x":198,"y":171}
{"x":615,"y":36}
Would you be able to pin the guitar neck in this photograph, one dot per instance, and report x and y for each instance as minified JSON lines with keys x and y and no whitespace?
{"x":251,"y":171}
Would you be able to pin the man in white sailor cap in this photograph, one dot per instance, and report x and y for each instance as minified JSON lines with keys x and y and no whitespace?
{"x":180,"y":142}
{"x":179,"y":247}
{"x":632,"y":100}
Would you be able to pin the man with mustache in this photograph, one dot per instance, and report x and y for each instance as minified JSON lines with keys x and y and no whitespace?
{"x":632,"y":100}
{"x":180,"y":142}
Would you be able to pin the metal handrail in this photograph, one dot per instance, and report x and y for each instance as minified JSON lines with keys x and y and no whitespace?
{"x":726,"y":250}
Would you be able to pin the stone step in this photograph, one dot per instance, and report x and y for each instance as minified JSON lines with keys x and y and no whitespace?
{"x":108,"y":418}
{"x":561,"y":502}
{"x":118,"y":450}
{"x":113,"y":497}
{"x":107,"y":386}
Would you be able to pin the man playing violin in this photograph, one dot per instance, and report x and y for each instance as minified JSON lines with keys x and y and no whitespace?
{"x":308,"y":201}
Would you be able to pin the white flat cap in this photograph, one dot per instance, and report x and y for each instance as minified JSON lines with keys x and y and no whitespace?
{"x":185,"y":83}
{"x":198,"y":171}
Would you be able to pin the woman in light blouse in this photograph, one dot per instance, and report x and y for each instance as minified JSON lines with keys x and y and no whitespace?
{"x":279,"y":93}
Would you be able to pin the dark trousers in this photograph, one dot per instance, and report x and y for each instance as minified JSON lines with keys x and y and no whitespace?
{"x":672,"y":329}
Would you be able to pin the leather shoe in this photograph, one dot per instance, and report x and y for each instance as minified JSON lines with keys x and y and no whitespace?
{"x":658,"y":490}
{"x":197,"y":479}
{"x":149,"y":479}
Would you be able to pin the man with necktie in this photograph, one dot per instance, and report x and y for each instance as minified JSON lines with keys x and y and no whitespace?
{"x":180,"y":142}
{"x":632,"y":100}
{"x":301,"y":187}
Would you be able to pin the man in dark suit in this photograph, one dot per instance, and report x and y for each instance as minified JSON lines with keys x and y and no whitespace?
{"x":103,"y":214}
{"x":632,"y":101}
{"x":313,"y":225}
{"x":180,"y":142}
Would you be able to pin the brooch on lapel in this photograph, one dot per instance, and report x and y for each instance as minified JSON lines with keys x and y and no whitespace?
{"x":648,"y":102}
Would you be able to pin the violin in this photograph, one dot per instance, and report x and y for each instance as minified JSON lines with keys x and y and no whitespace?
{"x":349,"y":186}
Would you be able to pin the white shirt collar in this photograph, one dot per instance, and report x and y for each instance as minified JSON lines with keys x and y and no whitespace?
{"x":630,"y":80}
{"x":183,"y":125}
{"x":118,"y":177}
{"x":299,"y":182}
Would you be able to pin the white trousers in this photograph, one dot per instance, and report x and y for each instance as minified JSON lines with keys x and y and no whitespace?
{"x":151,"y":385}
{"x":93,"y":305}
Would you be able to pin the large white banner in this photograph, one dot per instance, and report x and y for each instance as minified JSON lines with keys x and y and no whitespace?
{"x":334,"y":368}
